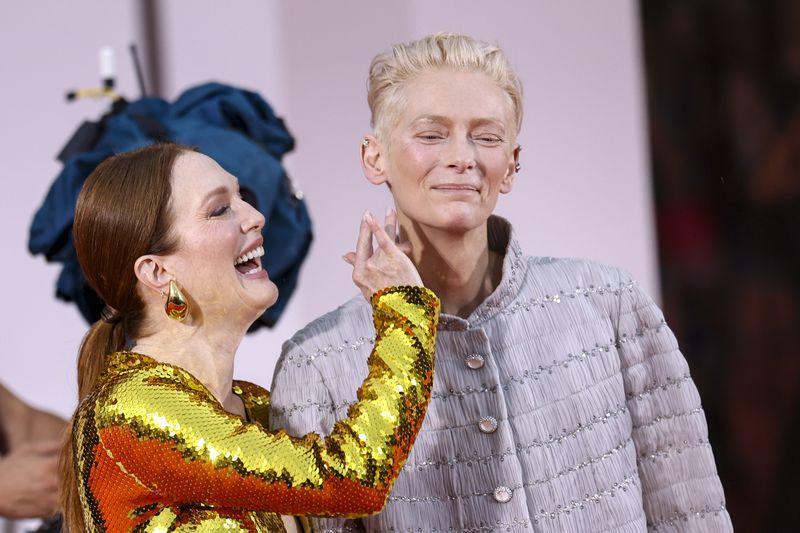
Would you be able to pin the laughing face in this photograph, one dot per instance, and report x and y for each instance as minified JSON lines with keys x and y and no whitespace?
{"x":218,"y":260}
{"x":451,"y":153}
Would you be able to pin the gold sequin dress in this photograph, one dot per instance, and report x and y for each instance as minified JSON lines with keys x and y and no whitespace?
{"x":155,"y":451}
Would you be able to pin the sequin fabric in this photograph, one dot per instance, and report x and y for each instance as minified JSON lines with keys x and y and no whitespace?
{"x":155,"y":451}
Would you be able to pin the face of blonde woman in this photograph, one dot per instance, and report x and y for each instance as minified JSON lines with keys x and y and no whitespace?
{"x":452,"y":151}
{"x":218,"y":258}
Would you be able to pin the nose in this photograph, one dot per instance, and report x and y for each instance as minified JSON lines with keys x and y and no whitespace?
{"x":252,"y":219}
{"x":461,"y":154}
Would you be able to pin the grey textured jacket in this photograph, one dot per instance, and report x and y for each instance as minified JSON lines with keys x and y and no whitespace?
{"x":561,"y":404}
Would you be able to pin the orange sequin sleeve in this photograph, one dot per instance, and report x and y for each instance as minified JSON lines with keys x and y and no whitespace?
{"x":163,"y":434}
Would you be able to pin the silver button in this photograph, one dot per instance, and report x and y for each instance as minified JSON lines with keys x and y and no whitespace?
{"x":488,"y":424}
{"x":503,"y":494}
{"x":475,"y":361}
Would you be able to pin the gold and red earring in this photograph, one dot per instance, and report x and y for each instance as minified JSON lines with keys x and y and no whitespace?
{"x":176,"y":306}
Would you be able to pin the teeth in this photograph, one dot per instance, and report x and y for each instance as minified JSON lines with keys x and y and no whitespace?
{"x":258,"y":252}
{"x":253,"y":271}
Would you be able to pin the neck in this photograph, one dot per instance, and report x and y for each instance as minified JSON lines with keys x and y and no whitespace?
{"x":207,"y":352}
{"x":457,"y":266}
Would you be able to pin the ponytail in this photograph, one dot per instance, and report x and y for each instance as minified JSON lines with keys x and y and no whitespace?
{"x":102,"y":339}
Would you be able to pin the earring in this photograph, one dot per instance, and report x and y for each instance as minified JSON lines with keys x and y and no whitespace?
{"x":176,"y":307}
{"x":517,"y":167}
{"x":365,"y":143}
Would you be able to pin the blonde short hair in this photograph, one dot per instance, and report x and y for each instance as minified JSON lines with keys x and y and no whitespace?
{"x":390,"y":71}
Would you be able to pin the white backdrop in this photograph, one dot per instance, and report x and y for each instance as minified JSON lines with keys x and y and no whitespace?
{"x":583,"y":191}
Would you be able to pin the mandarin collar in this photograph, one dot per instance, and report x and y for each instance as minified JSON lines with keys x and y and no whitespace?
{"x":502,"y":239}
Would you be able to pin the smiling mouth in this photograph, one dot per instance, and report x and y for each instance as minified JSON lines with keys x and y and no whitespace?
{"x":249,"y":262}
{"x":455,"y":187}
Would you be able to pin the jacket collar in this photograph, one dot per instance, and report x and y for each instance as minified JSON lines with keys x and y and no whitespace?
{"x":502,"y":239}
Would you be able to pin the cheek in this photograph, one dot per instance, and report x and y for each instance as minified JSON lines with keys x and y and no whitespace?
{"x":497,"y":167}
{"x":211,"y":249}
{"x":414,"y":162}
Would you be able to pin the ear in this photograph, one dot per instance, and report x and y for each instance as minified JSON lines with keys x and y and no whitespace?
{"x":372,"y":160}
{"x":511,"y":174}
{"x":149,"y":270}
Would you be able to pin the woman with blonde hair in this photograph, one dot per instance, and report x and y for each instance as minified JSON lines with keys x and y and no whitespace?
{"x":163,"y":438}
{"x":561,"y":401}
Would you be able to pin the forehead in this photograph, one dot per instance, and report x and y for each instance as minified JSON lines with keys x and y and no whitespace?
{"x":454,"y":95}
{"x":195,"y":174}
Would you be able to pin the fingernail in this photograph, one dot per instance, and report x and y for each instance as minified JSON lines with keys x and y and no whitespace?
{"x":388,"y":211}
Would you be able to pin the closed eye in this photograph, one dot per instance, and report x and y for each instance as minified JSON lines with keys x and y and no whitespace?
{"x":218,"y":212}
{"x":430,"y":136}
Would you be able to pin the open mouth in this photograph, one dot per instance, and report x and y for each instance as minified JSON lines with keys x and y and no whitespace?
{"x":249,"y":262}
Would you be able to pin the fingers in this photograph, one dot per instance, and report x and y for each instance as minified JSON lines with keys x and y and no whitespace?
{"x":384,"y":241}
{"x":36,"y":449}
{"x":48,"y":467}
{"x":389,"y":226}
{"x":392,"y":228}
{"x":45,"y":447}
{"x":364,"y":244}
{"x":390,"y":223}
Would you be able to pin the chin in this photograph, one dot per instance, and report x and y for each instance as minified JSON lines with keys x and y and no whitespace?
{"x":269,"y":298}
{"x":459,"y":220}
{"x":255,"y":300}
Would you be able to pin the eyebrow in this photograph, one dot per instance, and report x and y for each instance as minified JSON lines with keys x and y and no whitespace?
{"x":445,"y":120}
{"x":222,"y":189}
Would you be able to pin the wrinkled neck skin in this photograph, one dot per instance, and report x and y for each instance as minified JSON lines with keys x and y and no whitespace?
{"x":204,"y":346}
{"x":456,"y":265}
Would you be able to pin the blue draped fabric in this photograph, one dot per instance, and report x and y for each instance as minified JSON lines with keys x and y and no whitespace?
{"x":238,"y":129}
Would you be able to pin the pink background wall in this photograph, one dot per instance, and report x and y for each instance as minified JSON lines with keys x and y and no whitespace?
{"x":584,"y":189}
